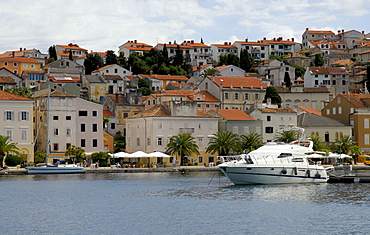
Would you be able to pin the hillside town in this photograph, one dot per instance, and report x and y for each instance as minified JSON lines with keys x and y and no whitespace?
{"x":139,"y":97}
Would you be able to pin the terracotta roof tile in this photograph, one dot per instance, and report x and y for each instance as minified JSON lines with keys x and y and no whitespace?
{"x":56,"y":93}
{"x":72,"y":46}
{"x":7,"y":80}
{"x":357,"y":100}
{"x":234,"y":114}
{"x":320,"y":32}
{"x":67,"y":79}
{"x":107,"y":113}
{"x":237,"y":82}
{"x":309,"y":110}
{"x":9,"y":96}
{"x":20,"y":60}
{"x":112,"y":77}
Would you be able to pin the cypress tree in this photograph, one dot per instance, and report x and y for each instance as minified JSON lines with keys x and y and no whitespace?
{"x":287,"y":81}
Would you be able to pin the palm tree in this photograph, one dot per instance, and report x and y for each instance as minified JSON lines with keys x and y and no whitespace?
{"x":287,"y":136}
{"x":318,"y":144}
{"x":250,"y":142}
{"x":182,"y":145}
{"x":77,"y":152}
{"x":6,"y":147}
{"x":344,"y":145}
{"x":223,"y":143}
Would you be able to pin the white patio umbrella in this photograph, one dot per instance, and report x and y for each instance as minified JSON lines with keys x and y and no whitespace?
{"x":120,"y":155}
{"x":158,"y":154}
{"x":139,"y":154}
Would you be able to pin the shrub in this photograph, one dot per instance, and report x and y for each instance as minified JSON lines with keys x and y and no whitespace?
{"x":13,"y":160}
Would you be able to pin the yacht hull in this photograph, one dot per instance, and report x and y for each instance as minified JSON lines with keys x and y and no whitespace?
{"x":55,"y":170}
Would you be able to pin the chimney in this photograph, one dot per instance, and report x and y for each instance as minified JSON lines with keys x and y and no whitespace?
{"x":342,"y":30}
{"x":246,"y":40}
{"x":151,"y":72}
{"x":192,"y":41}
{"x":117,"y":97}
{"x":274,"y":39}
{"x":363,"y":32}
{"x":231,"y":85}
{"x":229,"y":43}
{"x":135,"y":41}
{"x":241,"y":85}
{"x":264,"y":38}
{"x":251,"y":86}
{"x":261,"y":87}
{"x":169,"y":43}
{"x":292,"y":39}
{"x":213,"y":77}
{"x":306,"y":29}
{"x":225,"y":43}
{"x":20,"y":49}
{"x":13,"y":53}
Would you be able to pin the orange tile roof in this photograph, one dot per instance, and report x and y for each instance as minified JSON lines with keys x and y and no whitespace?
{"x":200,"y":67}
{"x":357,"y":99}
{"x":224,"y":46}
{"x":103,"y":54}
{"x":17,"y":53}
{"x":9,"y":96}
{"x":156,"y":111}
{"x":236,"y":82}
{"x":328,"y":70}
{"x":65,"y":54}
{"x":7,"y":80}
{"x":195,"y":44}
{"x":252,"y":43}
{"x":364,"y":52}
{"x":72,"y":46}
{"x":235,"y":114}
{"x":130,"y":76}
{"x":278,"y":42}
{"x":107,"y":113}
{"x":344,"y":62}
{"x":139,"y":44}
{"x":64,"y":79}
{"x":320,"y":32}
{"x":20,"y":60}
{"x":176,"y":84}
{"x":139,"y":48}
{"x":112,"y":77}
{"x":309,"y":110}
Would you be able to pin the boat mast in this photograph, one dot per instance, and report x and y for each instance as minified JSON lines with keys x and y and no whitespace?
{"x":47,"y":126}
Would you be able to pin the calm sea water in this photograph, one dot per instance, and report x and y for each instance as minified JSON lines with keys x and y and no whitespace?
{"x":174,"y":203}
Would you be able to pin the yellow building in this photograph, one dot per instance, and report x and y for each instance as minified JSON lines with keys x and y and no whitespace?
{"x":17,"y":65}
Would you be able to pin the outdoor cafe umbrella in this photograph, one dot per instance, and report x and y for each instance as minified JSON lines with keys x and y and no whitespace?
{"x":158,"y":154}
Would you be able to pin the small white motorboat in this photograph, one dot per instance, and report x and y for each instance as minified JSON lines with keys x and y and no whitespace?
{"x":56,"y":169}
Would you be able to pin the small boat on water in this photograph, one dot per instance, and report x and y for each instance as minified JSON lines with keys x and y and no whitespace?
{"x":56,"y":169}
{"x":276,"y":163}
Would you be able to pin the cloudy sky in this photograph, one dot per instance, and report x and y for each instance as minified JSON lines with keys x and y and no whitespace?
{"x":105,"y":25}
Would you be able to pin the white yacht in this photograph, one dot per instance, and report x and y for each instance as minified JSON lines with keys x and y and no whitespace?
{"x":276,"y":163}
{"x":56,"y":169}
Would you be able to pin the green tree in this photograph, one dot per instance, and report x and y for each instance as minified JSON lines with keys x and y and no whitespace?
{"x":93,"y":62}
{"x":178,"y":59}
{"x":165,"y":59}
{"x":119,"y":143}
{"x":343,"y":145}
{"x":6,"y":147}
{"x":246,"y":61}
{"x":78,"y":153}
{"x":40,"y":157}
{"x":22,"y":91}
{"x":229,"y":59}
{"x":273,"y":94}
{"x":250,"y":142}
{"x":318,"y":61}
{"x":287,"y":136}
{"x":110,"y":58}
{"x":13,"y":160}
{"x":223,"y":143}
{"x":182,"y":145}
{"x":318,"y":143}
{"x":210,"y":72}
{"x":287,"y":81}
{"x":52,"y":54}
{"x":163,"y":70}
{"x":102,"y":157}
{"x":140,"y":67}
{"x":122,"y":61}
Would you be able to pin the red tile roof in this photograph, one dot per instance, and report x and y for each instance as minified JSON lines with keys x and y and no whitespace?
{"x":237,"y":82}
{"x":224,"y":46}
{"x":20,"y":60}
{"x":9,"y":96}
{"x":357,"y":100}
{"x":67,"y":79}
{"x":139,"y":48}
{"x":319,"y":32}
{"x":107,"y":113}
{"x":72,"y":46}
{"x":328,"y":70}
{"x":252,"y":43}
{"x":235,"y":114}
{"x":309,"y":110}
{"x":7,"y":80}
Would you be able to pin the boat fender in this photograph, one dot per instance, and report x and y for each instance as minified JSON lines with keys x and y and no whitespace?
{"x":317,"y":175}
{"x":295,"y":170}
{"x":283,"y":171}
{"x":308,"y":173}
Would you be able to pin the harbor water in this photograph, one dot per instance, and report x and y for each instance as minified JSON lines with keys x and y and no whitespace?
{"x":175,"y":203}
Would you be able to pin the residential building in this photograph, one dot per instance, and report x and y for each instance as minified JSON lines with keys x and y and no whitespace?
{"x":298,"y":60}
{"x":7,"y":82}
{"x":18,"y":64}
{"x":81,"y":59}
{"x":30,"y":53}
{"x":33,"y":79}
{"x":237,"y":122}
{"x":336,"y":79}
{"x":64,"y":51}
{"x":234,"y":92}
{"x":258,"y":50}
{"x":134,"y":46}
{"x":151,"y":130}
{"x":222,"y":49}
{"x":64,"y":68}
{"x":327,"y":128}
{"x":115,"y":84}
{"x":159,"y":82}
{"x":17,"y":123}
{"x":229,"y":71}
{"x":275,"y":71}
{"x":16,"y":77}
{"x":112,"y":69}
{"x":279,"y":46}
{"x":95,"y":87}
{"x":199,"y":70}
{"x":200,"y":53}
{"x":317,"y":35}
{"x":297,"y":95}
{"x":71,"y":121}
{"x":274,"y":119}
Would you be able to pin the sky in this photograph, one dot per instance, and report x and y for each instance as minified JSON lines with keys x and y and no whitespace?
{"x":105,"y":25}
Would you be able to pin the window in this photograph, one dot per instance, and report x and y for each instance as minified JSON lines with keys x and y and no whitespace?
{"x":9,"y":133}
{"x":95,"y":143}
{"x":207,"y":105}
{"x":236,"y":96}
{"x":171,"y":125}
{"x":334,"y":82}
{"x":159,"y":141}
{"x":148,"y":102}
{"x":55,"y":118}
{"x":235,"y":130}
{"x":339,"y":110}
{"x":95,"y":127}
{"x":24,"y":116}
{"x":268,"y":118}
{"x":56,"y":147}
{"x":56,"y":131}
{"x":160,"y":125}
{"x":281,"y":118}
{"x":246,"y":129}
{"x":351,"y":110}
{"x":246,"y":96}
{"x":25,"y":65}
{"x":95,"y":113}
{"x":334,"y":111}
{"x":83,"y":143}
{"x":256,"y":96}
{"x":125,"y":115}
{"x":24,"y":134}
{"x":68,"y":145}
{"x":82,"y":113}
{"x":68,"y":118}
{"x":137,"y":141}
{"x":68,"y":132}
{"x":366,"y":139}
{"x":83,"y":127}
{"x":113,"y":126}
{"x":200,"y":141}
{"x":15,"y":64}
{"x":115,"y":70}
{"x":200,"y":159}
{"x":206,"y":85}
{"x":328,"y":112}
{"x":5,"y":63}
{"x":343,"y":82}
{"x":366,"y":123}
{"x":269,"y":129}
{"x":226,"y":96}
{"x":8,"y":115}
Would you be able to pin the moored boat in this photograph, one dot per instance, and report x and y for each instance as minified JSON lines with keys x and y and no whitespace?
{"x":56,"y":169}
{"x":276,"y":163}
